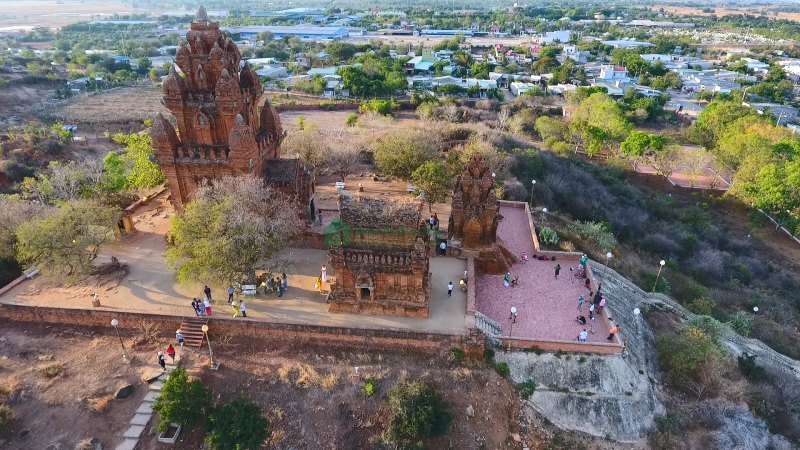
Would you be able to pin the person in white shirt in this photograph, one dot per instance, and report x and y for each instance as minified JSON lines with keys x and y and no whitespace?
{"x":583,"y":336}
{"x":242,"y":308}
{"x":450,"y":289}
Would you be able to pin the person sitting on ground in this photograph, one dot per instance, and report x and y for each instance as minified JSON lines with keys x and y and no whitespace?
{"x":524,"y":256}
{"x":515,"y":281}
{"x":581,"y":320}
{"x":463,"y":285}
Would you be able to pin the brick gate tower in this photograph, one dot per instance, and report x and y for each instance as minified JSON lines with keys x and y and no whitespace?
{"x":225,"y":125}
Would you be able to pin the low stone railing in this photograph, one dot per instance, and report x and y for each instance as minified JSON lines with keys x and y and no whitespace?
{"x":491,"y":329}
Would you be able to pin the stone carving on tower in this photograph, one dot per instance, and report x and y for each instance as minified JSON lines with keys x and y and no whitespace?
{"x":475,"y":212}
{"x":225,"y":125}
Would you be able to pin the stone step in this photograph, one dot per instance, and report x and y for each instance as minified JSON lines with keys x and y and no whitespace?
{"x":145,"y":408}
{"x":156,"y":385}
{"x":151,"y":397}
{"x":134,"y":432}
{"x":141,"y":419}
{"x":128,"y":444}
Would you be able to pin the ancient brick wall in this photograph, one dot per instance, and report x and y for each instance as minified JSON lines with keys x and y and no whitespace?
{"x":379,"y":339}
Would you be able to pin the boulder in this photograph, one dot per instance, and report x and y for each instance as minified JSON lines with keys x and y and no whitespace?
{"x":470,"y":411}
{"x":150,"y":375}
{"x":124,"y":392}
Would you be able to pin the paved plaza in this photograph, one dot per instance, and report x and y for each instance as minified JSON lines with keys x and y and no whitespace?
{"x":150,"y":287}
{"x":546,"y":306}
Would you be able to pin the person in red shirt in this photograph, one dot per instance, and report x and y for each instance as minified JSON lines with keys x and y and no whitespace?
{"x":171,"y":352}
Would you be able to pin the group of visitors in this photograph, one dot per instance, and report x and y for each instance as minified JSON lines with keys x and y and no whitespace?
{"x":162,"y":361}
{"x":433,"y":222}
{"x":596,"y":307}
{"x":202,"y":308}
{"x":508,"y":281}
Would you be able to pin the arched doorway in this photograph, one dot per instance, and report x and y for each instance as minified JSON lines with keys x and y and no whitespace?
{"x":472,"y":233}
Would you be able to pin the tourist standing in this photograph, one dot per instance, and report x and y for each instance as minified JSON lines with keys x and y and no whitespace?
{"x":195,"y":307}
{"x":324,"y":274}
{"x":436,"y":220}
{"x":242,"y":308}
{"x":280,"y":286}
{"x":171,"y":352}
{"x":614,"y":330}
{"x":443,"y":248}
{"x":207,"y":307}
{"x":580,"y":302}
{"x":162,"y":361}
{"x":230,"y":294}
{"x":583,"y":335}
{"x":591,"y":310}
{"x":450,"y":289}
{"x":557,"y":269}
{"x":507,"y":279}
{"x":207,"y":291}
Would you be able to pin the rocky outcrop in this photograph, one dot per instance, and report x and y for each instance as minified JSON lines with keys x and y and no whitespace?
{"x":618,"y":396}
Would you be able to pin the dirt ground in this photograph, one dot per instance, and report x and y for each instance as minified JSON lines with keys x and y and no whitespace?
{"x":721,"y":11}
{"x":310,"y":395}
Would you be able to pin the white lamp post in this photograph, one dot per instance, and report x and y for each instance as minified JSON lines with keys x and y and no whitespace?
{"x":544,"y":211}
{"x":662,"y":262}
{"x":210,"y":353}
{"x":636,"y":312}
{"x":513,"y":319}
{"x":608,"y":258}
{"x":114,"y":323}
{"x":755,"y":309}
{"x":533,"y":187}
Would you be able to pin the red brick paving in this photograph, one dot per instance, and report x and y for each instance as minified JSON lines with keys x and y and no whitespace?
{"x":546,"y":306}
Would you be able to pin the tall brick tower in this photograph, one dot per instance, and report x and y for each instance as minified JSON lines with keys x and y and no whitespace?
{"x":224,"y":126}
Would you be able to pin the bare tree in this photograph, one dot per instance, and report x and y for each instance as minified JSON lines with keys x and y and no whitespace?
{"x":310,"y":145}
{"x":231,"y":228}
{"x":694,"y":165}
{"x":666,"y":160}
{"x":343,"y":161}
{"x":502,"y":118}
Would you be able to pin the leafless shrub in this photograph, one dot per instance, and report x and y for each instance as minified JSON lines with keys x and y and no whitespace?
{"x":515,"y":190}
{"x":147,"y":331}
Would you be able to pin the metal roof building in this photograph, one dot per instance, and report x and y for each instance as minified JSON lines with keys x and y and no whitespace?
{"x":304,"y":32}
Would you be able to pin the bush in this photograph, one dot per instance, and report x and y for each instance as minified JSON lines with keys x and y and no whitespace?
{"x":548,"y":236}
{"x":703,"y":306}
{"x":456,"y":354}
{"x":383,"y":107}
{"x":596,"y":233}
{"x":238,"y":425}
{"x":749,"y":368}
{"x":400,"y":153}
{"x":416,"y":411}
{"x":526,"y":389}
{"x":182,"y":401}
{"x":692,"y":360}
{"x":742,"y":323}
{"x":5,"y":415}
{"x":651,"y":279}
{"x":502,"y":369}
{"x":561,"y":148}
{"x":351,"y":120}
{"x":370,"y":387}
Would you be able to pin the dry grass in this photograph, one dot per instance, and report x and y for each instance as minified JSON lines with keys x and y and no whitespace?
{"x":53,"y":371}
{"x":99,"y":404}
{"x":46,"y":357}
{"x":276,"y":417}
{"x":461,"y":373}
{"x":85,"y":444}
{"x":306,"y":376}
{"x":377,"y":372}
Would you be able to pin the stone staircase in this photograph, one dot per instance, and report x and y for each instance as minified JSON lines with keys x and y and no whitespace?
{"x":145,"y":411}
{"x":489,"y":327}
{"x":192,"y":330}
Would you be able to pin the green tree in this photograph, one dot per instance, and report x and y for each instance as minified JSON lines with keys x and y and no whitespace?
{"x":238,"y":425}
{"x":548,"y":128}
{"x":598,"y":123}
{"x":691,"y":359}
{"x":144,"y":173}
{"x":400,"y":153}
{"x":182,"y":401}
{"x":433,"y":178}
{"x":641,"y":145}
{"x":711,"y":123}
{"x":416,"y":411}
{"x":67,"y":241}
{"x":229,"y":229}
{"x":115,"y":173}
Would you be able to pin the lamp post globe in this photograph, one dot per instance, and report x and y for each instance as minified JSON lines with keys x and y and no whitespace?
{"x":755,"y":309}
{"x":636,"y":311}
{"x":204,"y":328}
{"x":114,"y":323}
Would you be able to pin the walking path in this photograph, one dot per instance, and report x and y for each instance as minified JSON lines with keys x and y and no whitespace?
{"x":145,"y":411}
{"x":547,"y":306}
